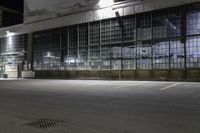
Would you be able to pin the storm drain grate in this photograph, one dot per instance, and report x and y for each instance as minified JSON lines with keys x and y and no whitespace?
{"x":45,"y":124}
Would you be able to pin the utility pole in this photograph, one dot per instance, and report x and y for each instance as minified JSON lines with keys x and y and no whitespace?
{"x":121,"y":25}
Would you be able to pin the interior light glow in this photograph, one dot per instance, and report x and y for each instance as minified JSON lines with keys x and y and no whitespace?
{"x":48,"y":54}
{"x":72,"y":61}
{"x":10,"y":40}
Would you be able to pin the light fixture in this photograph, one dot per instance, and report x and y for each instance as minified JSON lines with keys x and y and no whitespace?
{"x":8,"y":33}
{"x":105,"y":3}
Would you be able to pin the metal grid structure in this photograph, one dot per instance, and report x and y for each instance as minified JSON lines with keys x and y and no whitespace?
{"x":116,"y":34}
{"x":47,"y":49}
{"x":94,"y":46}
{"x":130,"y":29}
{"x":162,"y":39}
{"x":105,"y":32}
{"x":82,"y":46}
{"x":94,"y":33}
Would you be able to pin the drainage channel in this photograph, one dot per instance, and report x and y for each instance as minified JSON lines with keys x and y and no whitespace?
{"x":45,"y":124}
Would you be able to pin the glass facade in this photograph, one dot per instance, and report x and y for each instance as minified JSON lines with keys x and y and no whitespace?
{"x":13,"y":51}
{"x":162,"y":39}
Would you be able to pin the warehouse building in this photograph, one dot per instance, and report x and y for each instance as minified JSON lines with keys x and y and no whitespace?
{"x":104,"y":39}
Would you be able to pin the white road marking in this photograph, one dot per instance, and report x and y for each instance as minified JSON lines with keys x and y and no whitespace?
{"x":165,"y":88}
{"x":128,"y":85}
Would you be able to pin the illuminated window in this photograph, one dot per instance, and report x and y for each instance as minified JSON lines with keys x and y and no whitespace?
{"x":105,"y":57}
{"x":94,"y":57}
{"x":193,"y":52}
{"x":161,"y":55}
{"x":176,"y":54}
{"x":144,"y":55}
{"x":129,"y":56}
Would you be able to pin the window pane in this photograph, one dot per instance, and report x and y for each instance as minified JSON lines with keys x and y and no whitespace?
{"x":174,"y":22}
{"x":176,"y":54}
{"x":105,"y":57}
{"x":129,"y":56}
{"x":83,"y":35}
{"x":116,"y":33}
{"x":160,"y":24}
{"x":193,"y":19}
{"x":94,"y":38}
{"x":161,"y":55}
{"x":116,"y":57}
{"x":193,"y":52}
{"x":47,"y":50}
{"x":129,"y":28}
{"x":144,"y":55}
{"x":94,"y":62}
{"x":105,"y":32}
{"x":144,"y":27}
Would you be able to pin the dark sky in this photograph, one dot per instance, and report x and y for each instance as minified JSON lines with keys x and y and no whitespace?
{"x":13,"y":4}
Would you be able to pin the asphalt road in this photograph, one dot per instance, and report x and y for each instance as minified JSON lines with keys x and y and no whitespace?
{"x":89,"y":106}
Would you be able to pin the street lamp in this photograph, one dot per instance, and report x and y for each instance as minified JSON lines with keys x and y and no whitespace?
{"x":121,"y":25}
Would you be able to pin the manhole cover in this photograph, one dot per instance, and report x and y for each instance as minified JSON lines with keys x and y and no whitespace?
{"x":45,"y":123}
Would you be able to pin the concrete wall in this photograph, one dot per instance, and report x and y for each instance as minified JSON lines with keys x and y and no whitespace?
{"x":161,"y":75}
{"x":12,"y":74}
{"x":127,"y":8}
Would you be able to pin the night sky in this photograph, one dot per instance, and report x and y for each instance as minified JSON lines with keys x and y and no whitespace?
{"x":13,"y":4}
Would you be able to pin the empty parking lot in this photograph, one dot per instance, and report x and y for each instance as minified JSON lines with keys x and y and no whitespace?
{"x":93,"y":106}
